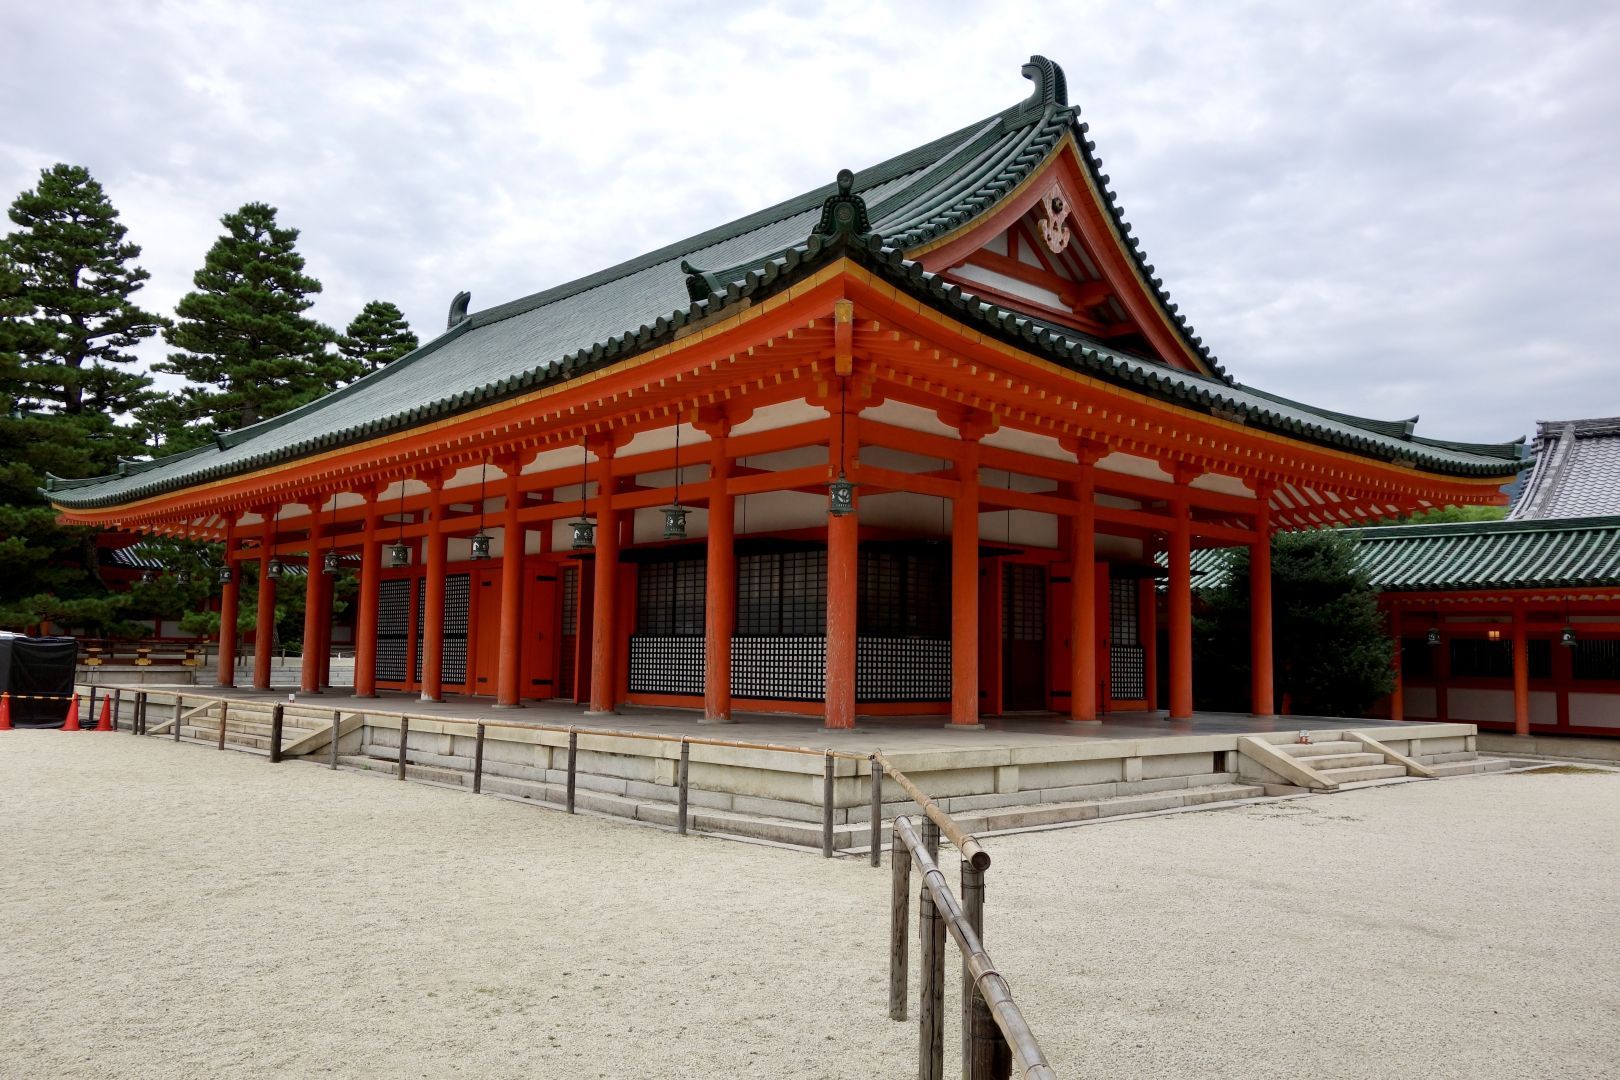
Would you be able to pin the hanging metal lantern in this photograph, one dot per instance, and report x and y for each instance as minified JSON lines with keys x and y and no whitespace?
{"x":480,"y":545}
{"x":1434,"y":635}
{"x":224,"y":575}
{"x":675,"y":522}
{"x":182,"y":577}
{"x":1566,"y":637}
{"x":584,"y":533}
{"x":329,"y":563}
{"x":146,"y":577}
{"x":841,"y":497}
{"x":276,"y":570}
{"x":398,"y":554}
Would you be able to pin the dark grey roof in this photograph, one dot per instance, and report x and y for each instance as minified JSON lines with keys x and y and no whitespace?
{"x":1576,"y":471}
{"x":909,"y":200}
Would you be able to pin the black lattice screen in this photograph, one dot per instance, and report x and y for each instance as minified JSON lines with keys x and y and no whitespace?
{"x":782,"y":594}
{"x":1127,"y":660}
{"x":905,"y":594}
{"x":666,"y":664}
{"x":669,"y":598}
{"x":1597,"y":658}
{"x":779,"y":668}
{"x":1023,"y":603}
{"x":902,"y":669}
{"x":570,"y":601}
{"x":457,"y":605}
{"x":393,"y":628}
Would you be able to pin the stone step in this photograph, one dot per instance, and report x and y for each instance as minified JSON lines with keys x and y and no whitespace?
{"x":1329,"y":762}
{"x":994,"y":819}
{"x":1320,"y":749}
{"x":1471,"y":768}
{"x":234,"y":738}
{"x":1363,"y":772}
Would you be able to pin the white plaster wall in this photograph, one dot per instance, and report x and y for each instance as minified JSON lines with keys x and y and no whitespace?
{"x":782,"y":414}
{"x":771,"y":511}
{"x":905,"y":510}
{"x":1132,"y":465}
{"x":1594,"y":710}
{"x":1118,"y":547}
{"x":899,"y":414}
{"x":1029,"y":443}
{"x":662,"y":439}
{"x":1026,"y":528}
{"x":1479,"y":705}
{"x":883,"y":457}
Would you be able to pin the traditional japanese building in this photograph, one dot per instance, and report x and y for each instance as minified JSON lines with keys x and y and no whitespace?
{"x":1515,"y":624}
{"x":907,"y":443}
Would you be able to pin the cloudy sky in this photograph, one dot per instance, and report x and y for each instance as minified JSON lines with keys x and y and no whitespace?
{"x":1384,"y":209}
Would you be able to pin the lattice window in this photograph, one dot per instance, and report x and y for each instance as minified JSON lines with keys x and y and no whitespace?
{"x":1481,"y":658}
{"x":782,"y":594}
{"x":453,"y":656}
{"x":1127,"y":660}
{"x":1417,"y":658}
{"x":779,"y":668}
{"x":570,"y":601}
{"x":393,"y":628}
{"x":902,"y":669}
{"x":1023,"y":603}
{"x":904,"y":594}
{"x":1597,"y":658}
{"x":669,"y":598}
{"x":666,"y":665}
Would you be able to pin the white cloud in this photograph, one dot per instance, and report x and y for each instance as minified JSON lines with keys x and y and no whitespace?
{"x":1385,"y":209}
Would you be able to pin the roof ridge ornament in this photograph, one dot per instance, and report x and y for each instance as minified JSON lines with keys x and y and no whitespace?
{"x":1051,"y":88}
{"x":843,"y":216}
{"x":458,"y":310}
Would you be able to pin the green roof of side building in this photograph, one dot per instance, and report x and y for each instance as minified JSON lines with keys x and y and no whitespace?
{"x":606,"y":317}
{"x":1471,"y":556}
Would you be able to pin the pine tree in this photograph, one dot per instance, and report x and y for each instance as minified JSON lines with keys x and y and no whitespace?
{"x":77,"y":278}
{"x":1333,"y":655}
{"x":244,"y":343}
{"x":377,"y":337}
{"x":66,"y":319}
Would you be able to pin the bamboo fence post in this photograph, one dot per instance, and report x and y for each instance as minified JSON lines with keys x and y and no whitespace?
{"x":179,"y":707}
{"x":827,"y":806}
{"x":681,"y":798}
{"x":478,"y":761}
{"x":277,"y":718}
{"x":973,"y":911}
{"x":141,"y":699}
{"x":875,"y":833}
{"x":573,"y":757}
{"x":930,"y":836}
{"x":404,"y":736}
{"x":117,"y":707}
{"x":989,"y":1056}
{"x":92,"y":713}
{"x":899,"y":928}
{"x":224,"y":714}
{"x":931,"y":1015}
{"x":332,"y":751}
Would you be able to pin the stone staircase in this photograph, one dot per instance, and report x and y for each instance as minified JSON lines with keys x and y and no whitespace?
{"x":247,"y":725}
{"x":1342,"y":763}
{"x":1334,"y":761}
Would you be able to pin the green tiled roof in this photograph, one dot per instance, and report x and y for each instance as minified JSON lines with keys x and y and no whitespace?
{"x":601,"y":319}
{"x":1474,"y":555}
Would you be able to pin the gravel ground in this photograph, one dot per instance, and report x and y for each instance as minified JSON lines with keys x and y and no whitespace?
{"x":172,"y":911}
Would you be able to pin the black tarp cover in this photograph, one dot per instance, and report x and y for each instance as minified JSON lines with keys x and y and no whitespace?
{"x":37,"y":665}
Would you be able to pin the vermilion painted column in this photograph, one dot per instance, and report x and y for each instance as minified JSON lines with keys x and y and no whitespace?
{"x":228,"y":597}
{"x":1521,"y":675}
{"x":1181,"y":661}
{"x":965,"y":589}
{"x":1147,"y":610}
{"x":509,"y":673}
{"x":1083,"y":607}
{"x":720,"y":591}
{"x":843,"y":563}
{"x":310,"y":683}
{"x":1261,"y":655}
{"x":365,"y":626}
{"x":604,"y":604}
{"x":264,"y":630}
{"x":433,"y":592}
{"x":1397,"y":696}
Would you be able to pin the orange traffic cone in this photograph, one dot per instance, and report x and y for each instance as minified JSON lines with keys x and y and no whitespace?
{"x":5,"y":712}
{"x":105,"y":723}
{"x":73,"y":716}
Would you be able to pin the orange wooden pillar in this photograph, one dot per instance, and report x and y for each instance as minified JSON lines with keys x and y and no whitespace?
{"x":965,"y":589}
{"x":605,"y":607}
{"x":843,"y":568}
{"x":310,"y":682}
{"x":1083,"y":608}
{"x":509,"y":672}
{"x":434,"y":553}
{"x":720,"y":590}
{"x":264,"y":629}
{"x":1521,"y":674}
{"x":228,"y":598}
{"x":1181,"y":660}
{"x":1261,"y":656}
{"x":365,"y":625}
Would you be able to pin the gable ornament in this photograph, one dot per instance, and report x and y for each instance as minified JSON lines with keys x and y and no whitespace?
{"x":1055,"y":220}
